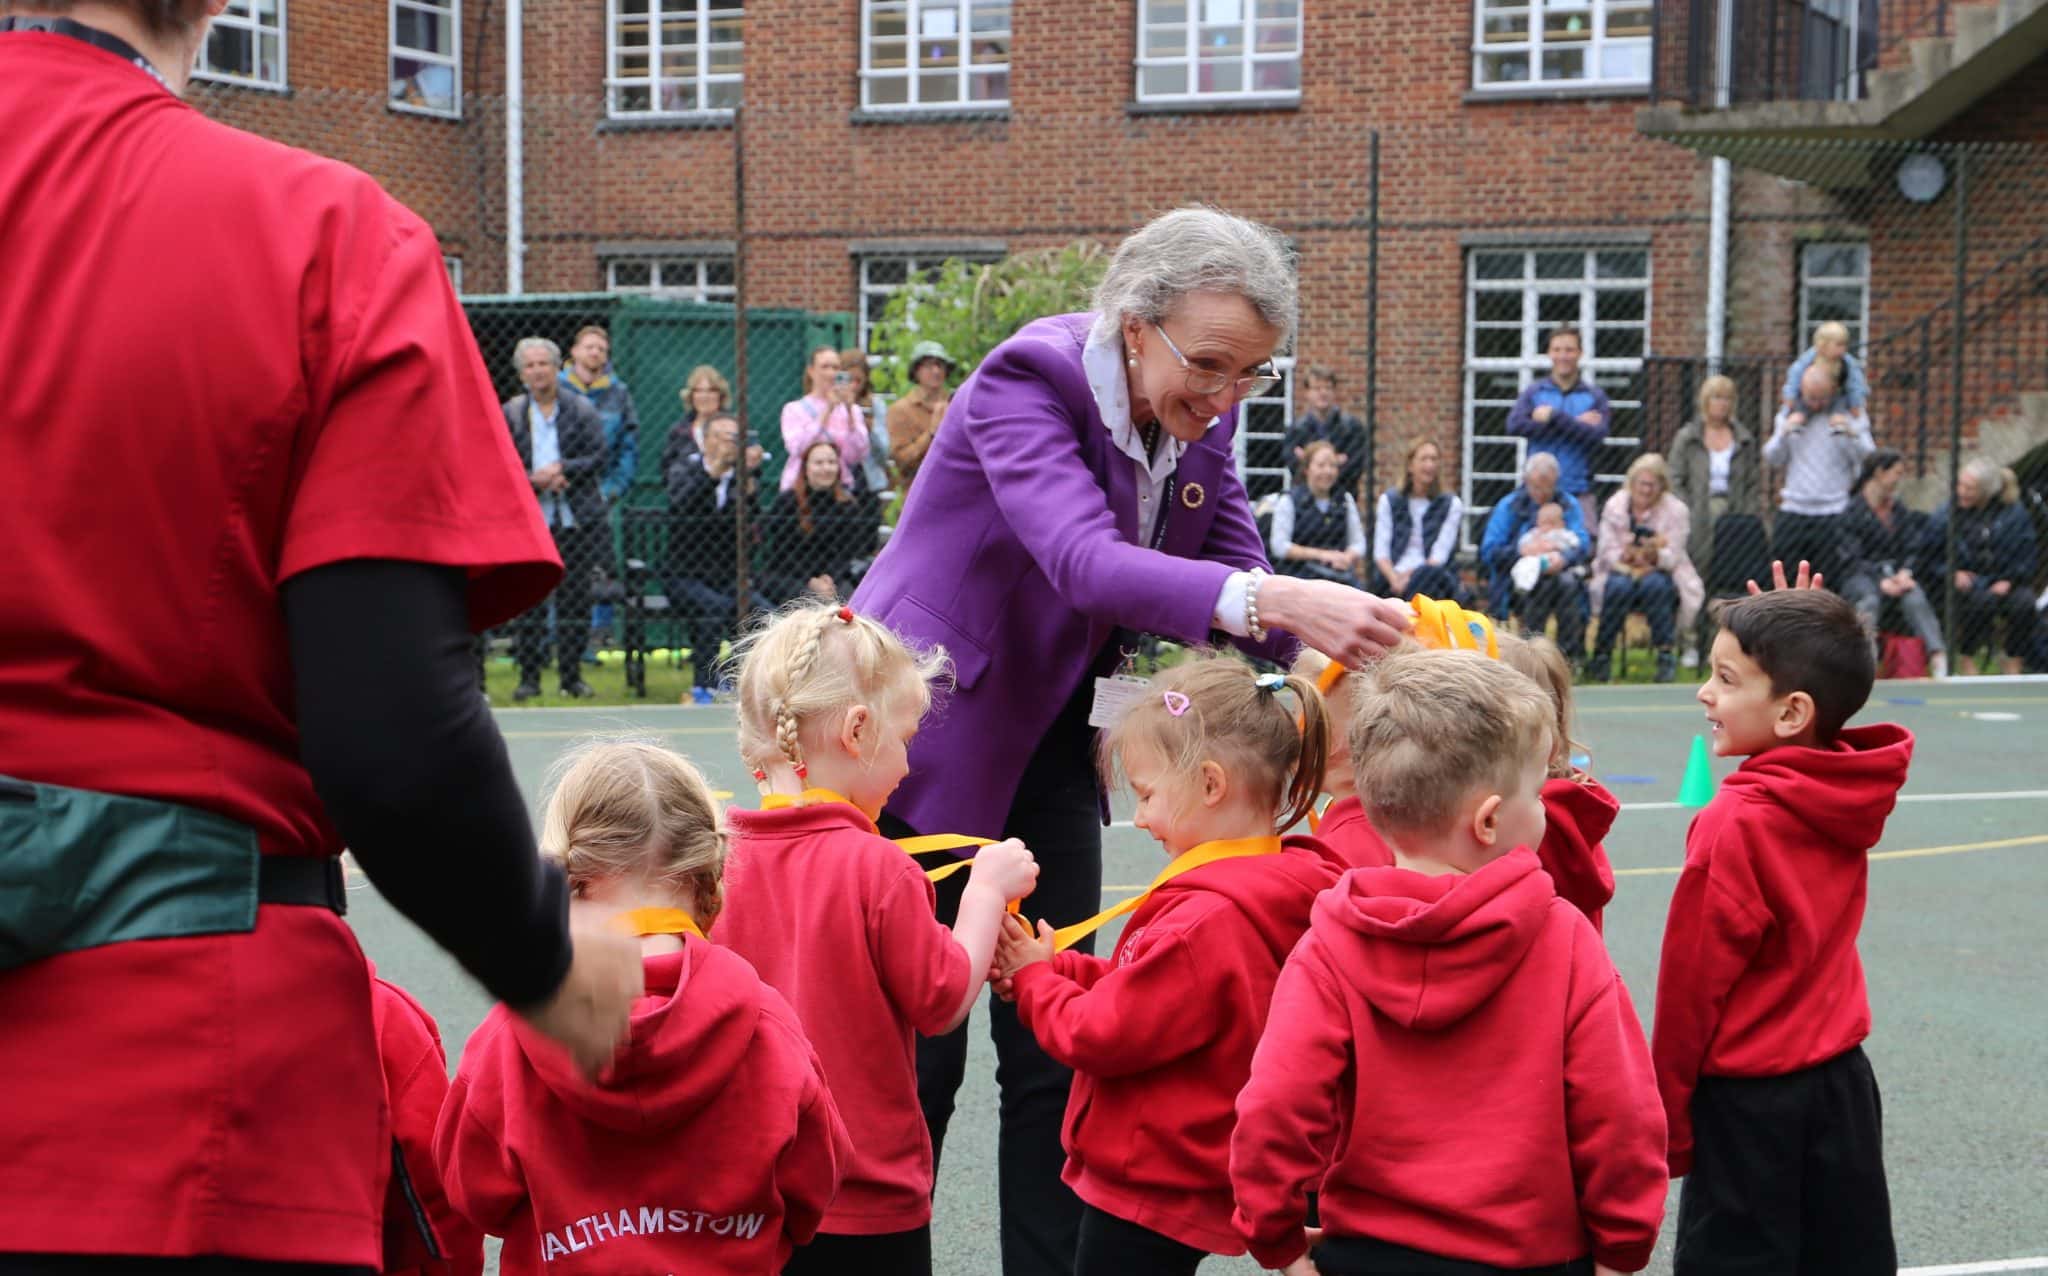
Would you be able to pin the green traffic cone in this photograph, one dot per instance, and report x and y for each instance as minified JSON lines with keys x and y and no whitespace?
{"x":1697,"y":789}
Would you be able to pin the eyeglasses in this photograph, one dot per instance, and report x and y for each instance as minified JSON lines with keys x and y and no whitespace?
{"x":1202,"y":381}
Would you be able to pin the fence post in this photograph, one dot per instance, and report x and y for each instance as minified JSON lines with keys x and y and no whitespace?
{"x":1372,"y":330}
{"x":742,"y":586}
{"x":1955,"y":389}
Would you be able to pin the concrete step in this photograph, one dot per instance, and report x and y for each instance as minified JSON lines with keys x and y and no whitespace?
{"x":1976,"y":26}
{"x":1930,"y":58}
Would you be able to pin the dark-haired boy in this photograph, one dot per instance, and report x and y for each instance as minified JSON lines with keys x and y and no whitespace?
{"x":1772,"y":1107}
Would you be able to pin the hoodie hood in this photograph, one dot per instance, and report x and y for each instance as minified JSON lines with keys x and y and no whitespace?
{"x":1274,"y":892}
{"x":1428,"y":951}
{"x":690,"y":1033}
{"x":1577,"y":819}
{"x":1843,"y":794}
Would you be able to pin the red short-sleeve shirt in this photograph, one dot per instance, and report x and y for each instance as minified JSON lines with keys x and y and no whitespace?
{"x":228,"y":362}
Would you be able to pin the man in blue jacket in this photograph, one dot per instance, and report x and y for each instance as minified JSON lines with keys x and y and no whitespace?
{"x":1567,"y":416}
{"x":590,"y":375}
{"x":1560,"y":589}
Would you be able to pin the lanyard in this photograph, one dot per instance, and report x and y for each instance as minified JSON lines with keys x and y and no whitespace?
{"x":657,"y":921}
{"x":90,"y":35}
{"x":1187,"y":861}
{"x":925,"y":845}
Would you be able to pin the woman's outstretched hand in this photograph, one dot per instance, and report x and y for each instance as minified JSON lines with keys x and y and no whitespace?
{"x":1346,"y":624}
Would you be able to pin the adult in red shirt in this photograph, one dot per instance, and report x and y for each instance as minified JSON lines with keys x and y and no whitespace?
{"x":251,"y":519}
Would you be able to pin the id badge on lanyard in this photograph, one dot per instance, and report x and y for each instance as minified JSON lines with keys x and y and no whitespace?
{"x":1115,"y":694}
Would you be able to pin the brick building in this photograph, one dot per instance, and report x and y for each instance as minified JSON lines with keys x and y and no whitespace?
{"x":881,"y":136}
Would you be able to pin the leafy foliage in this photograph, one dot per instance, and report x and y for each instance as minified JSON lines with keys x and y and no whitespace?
{"x":972,"y":307}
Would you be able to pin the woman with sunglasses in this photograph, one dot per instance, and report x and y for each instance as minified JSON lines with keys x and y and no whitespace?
{"x":1081,"y":491}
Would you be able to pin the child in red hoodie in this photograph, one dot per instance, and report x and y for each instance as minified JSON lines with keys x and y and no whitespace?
{"x":840,"y":920}
{"x":423,"y":1235}
{"x":1578,"y":810}
{"x":1341,"y":826}
{"x":712,"y":1144}
{"x":1761,"y":1007}
{"x":1160,"y":1035}
{"x":1450,"y":1057}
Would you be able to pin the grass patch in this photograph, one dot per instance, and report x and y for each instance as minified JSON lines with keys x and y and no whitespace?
{"x":668,"y":682}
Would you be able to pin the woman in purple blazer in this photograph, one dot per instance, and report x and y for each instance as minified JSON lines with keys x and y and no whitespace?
{"x":1080,"y":487}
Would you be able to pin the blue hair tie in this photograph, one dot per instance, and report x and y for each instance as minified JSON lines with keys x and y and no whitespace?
{"x":1270,"y":682}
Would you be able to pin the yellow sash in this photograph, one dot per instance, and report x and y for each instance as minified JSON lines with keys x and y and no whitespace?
{"x":1192,"y":858}
{"x":1315,"y":817}
{"x":657,"y":921}
{"x":1442,"y":624}
{"x":924,"y":845}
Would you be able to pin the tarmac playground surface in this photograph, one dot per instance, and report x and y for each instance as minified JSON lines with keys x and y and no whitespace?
{"x":1953,"y":947}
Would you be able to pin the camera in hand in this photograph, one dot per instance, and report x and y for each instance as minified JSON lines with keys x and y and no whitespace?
{"x":1645,"y":533}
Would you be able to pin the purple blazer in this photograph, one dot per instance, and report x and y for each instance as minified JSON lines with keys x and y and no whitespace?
{"x":1017,"y":552}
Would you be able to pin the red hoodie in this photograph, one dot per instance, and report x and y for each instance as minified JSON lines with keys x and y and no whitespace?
{"x":1454,"y":1063}
{"x":1161,"y":1035}
{"x":1352,"y":840}
{"x":422,"y":1232}
{"x":839,"y":920}
{"x":1760,"y":975}
{"x":1577,"y":812}
{"x":711,"y":1145}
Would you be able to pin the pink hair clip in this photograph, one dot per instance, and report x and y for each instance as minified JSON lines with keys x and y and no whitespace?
{"x":1176,"y":702}
{"x":802,"y":771}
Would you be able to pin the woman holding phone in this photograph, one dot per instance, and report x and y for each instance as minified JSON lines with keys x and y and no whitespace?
{"x":826,"y":409}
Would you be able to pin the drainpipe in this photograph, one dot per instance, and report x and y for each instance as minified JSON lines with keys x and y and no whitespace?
{"x":1717,"y":216}
{"x":515,"y":149}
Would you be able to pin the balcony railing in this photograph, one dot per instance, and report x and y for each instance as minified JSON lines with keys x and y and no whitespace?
{"x":1714,"y":53}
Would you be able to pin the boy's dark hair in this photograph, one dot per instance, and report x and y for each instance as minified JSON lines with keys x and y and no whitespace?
{"x":1807,"y":640}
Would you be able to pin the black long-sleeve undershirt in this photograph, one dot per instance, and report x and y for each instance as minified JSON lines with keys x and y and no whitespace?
{"x":403,"y":751}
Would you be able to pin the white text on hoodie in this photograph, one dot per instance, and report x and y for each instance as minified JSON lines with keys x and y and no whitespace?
{"x":645,"y":1220}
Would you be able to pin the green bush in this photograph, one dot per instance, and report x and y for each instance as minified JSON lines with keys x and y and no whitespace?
{"x":972,"y":307}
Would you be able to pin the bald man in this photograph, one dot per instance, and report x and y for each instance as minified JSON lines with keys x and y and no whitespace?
{"x":1820,"y":458}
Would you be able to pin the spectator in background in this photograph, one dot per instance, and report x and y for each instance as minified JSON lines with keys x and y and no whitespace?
{"x":702,"y":486}
{"x":1821,"y":454}
{"x":1885,"y":548}
{"x":1316,"y":529}
{"x":876,"y":480}
{"x":914,"y":417}
{"x":560,"y":440}
{"x":590,"y":375}
{"x":705,"y":394}
{"x":1556,"y":587}
{"x":1415,"y":529}
{"x":1994,"y":560}
{"x":1640,"y":565}
{"x":1715,"y":470}
{"x":826,"y":409}
{"x":1324,"y":420}
{"x":1829,"y":352}
{"x":818,"y":531}
{"x":1566,"y":415}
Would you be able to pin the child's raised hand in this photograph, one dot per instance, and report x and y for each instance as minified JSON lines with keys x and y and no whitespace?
{"x":1017,"y":947}
{"x":1805,"y":578}
{"x":1305,"y":1266}
{"x":1007,"y":867}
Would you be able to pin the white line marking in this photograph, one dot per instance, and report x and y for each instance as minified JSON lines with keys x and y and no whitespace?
{"x":1970,"y":1269}
{"x":2004,"y":795}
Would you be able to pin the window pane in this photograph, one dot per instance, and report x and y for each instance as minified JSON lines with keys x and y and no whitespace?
{"x":1834,"y":301}
{"x":1554,"y":308}
{"x":992,"y":53}
{"x":1625,"y":62}
{"x":1628,"y":21}
{"x":938,"y":53}
{"x":718,"y":274}
{"x":722,"y":96}
{"x":1497,"y":343}
{"x":1165,"y":11}
{"x":429,"y":86}
{"x":1223,"y":77}
{"x":1567,"y":28}
{"x":1503,"y":68}
{"x":942,"y":87}
{"x":887,"y":54}
{"x":1564,"y":64}
{"x":1497,"y":386}
{"x":1621,"y":265}
{"x":990,"y":88}
{"x":1497,"y":265}
{"x":1277,"y":77}
{"x":887,"y":20}
{"x":1505,"y":28}
{"x":1166,"y":41}
{"x":1222,"y":11}
{"x":632,"y":274}
{"x":1163,"y":81}
{"x":1222,"y":41}
{"x":628,"y":98}
{"x":887,"y":271}
{"x":725,"y":59}
{"x":990,"y":17}
{"x":229,"y":50}
{"x":1618,"y":304}
{"x":1618,"y":343}
{"x":888,"y":90}
{"x":1277,"y":37}
{"x":1837,"y":260}
{"x":1568,"y":265}
{"x":1497,"y":307}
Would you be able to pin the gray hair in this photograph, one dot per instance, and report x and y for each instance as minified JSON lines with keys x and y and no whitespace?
{"x":1539,"y":461}
{"x":1199,"y":249}
{"x":528,"y":343}
{"x":1989,"y":476}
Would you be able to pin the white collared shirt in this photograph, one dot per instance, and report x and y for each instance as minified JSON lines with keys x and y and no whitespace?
{"x":1102,"y":361}
{"x":547,"y":450}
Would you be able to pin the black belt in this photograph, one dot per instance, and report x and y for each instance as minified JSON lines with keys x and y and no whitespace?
{"x":303,"y":880}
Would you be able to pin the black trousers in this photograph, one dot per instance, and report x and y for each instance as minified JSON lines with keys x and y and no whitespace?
{"x":116,"y":1265}
{"x":1111,"y":1246}
{"x":1563,"y":596}
{"x":1817,"y":538}
{"x":579,"y":548}
{"x":1364,"y":1256}
{"x":1788,"y":1176}
{"x":1057,"y":815}
{"x":889,"y":1254}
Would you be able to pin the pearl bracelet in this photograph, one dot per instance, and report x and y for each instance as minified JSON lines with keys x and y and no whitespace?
{"x":1251,"y":606}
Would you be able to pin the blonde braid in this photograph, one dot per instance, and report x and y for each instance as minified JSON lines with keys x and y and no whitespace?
{"x":799,"y":670}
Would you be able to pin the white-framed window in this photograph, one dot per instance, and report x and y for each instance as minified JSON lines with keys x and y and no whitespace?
{"x":1201,"y":50}
{"x":689,"y":278}
{"x":426,"y":56}
{"x":453,"y":265}
{"x":672,"y":57}
{"x":1524,"y":43}
{"x":1261,"y":438}
{"x":934,"y":54}
{"x":1834,"y":284}
{"x":246,"y":45}
{"x":1514,"y":297}
{"x":883,"y":275}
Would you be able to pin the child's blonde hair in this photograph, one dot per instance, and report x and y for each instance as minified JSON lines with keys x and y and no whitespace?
{"x":816,"y":658}
{"x":1429,"y":727}
{"x":1538,"y":659}
{"x":1832,"y":330}
{"x":1219,"y":707}
{"x":629,"y":808}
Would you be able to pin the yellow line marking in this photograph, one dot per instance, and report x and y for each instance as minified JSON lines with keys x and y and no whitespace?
{"x":1916,"y":852}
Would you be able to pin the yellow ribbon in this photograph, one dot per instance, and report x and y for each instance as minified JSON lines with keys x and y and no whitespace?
{"x":1442,"y":624}
{"x":925,"y":845}
{"x":1315,"y":817}
{"x":657,"y":921}
{"x":1187,"y":861}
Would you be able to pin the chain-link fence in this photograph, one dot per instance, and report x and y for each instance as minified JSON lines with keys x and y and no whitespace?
{"x":660,"y":223}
